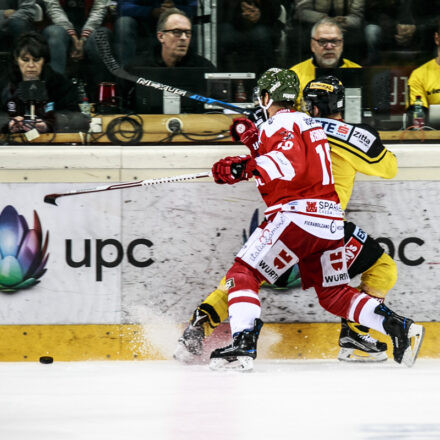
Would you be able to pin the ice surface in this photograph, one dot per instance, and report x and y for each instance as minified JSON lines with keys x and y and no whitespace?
{"x":163,"y":400}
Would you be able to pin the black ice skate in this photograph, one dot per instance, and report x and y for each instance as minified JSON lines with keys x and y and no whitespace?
{"x":241,"y":353}
{"x":407,"y":336}
{"x":357,"y":345}
{"x":190,"y":344}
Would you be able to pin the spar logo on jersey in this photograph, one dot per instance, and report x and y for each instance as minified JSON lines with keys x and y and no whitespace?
{"x":311,"y":207}
{"x":335,"y":128}
{"x":334,"y":268}
{"x":343,"y":129}
{"x":23,"y":251}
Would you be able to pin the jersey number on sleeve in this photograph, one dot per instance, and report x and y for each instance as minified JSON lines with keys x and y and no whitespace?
{"x":326,"y":163}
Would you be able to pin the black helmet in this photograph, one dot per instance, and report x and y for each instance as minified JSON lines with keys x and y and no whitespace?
{"x":327,"y":93}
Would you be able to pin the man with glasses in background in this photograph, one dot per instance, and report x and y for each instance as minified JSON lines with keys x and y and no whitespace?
{"x":136,"y":24}
{"x":327,"y":45}
{"x":171,"y":61}
{"x":174,"y":31}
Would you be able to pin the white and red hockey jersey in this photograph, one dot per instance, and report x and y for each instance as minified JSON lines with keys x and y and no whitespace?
{"x":294,"y":159}
{"x":295,"y":173}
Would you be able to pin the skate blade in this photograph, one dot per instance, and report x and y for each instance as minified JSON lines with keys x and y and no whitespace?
{"x":242,"y":363}
{"x":352,"y":355}
{"x":416,"y":333}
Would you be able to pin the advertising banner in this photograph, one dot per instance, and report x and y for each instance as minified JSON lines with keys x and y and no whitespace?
{"x":66,"y":291}
{"x":138,"y":254}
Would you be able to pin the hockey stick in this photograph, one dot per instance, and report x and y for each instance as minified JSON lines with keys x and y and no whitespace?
{"x":114,"y":68}
{"x":52,"y":198}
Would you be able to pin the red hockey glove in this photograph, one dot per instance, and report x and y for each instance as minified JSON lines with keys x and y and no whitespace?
{"x":245,"y":131}
{"x":231,"y":170}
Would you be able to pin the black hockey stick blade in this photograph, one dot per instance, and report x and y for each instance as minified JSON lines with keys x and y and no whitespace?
{"x":113,"y":66}
{"x":51,"y":199}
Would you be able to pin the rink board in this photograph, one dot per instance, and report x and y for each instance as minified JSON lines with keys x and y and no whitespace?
{"x":167,"y":247}
{"x":125,"y":257}
{"x":157,"y":341}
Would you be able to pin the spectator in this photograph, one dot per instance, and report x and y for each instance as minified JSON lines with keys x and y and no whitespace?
{"x":30,"y":62}
{"x":71,"y":35}
{"x":249,"y":34}
{"x":327,"y":45}
{"x":348,"y":14}
{"x":390,"y":25}
{"x":172,"y":48}
{"x":425,"y":80}
{"x":16,"y":17}
{"x":137,"y":21}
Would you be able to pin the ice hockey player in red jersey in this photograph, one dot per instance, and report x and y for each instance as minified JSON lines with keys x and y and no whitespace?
{"x":354,"y":148}
{"x":303,"y":224}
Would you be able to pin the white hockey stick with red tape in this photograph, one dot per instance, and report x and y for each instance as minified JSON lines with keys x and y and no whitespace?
{"x":52,"y":198}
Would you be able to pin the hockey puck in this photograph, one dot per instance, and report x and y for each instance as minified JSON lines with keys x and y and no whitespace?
{"x":46,"y":359}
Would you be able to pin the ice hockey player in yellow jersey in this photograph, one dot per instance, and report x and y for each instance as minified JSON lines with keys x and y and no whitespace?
{"x":355,"y":148}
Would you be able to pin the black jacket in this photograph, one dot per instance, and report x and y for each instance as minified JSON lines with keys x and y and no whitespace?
{"x":62,"y":95}
{"x":154,"y":59}
{"x":132,"y":95}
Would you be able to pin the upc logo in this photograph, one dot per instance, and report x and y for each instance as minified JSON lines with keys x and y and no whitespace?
{"x":22,"y":252}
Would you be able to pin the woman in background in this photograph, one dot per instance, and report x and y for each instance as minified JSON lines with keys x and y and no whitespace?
{"x":34,"y":105}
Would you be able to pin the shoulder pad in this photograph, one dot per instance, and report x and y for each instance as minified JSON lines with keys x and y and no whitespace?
{"x":367,"y":140}
{"x":358,"y":138}
{"x":304,"y":121}
{"x":334,"y":128}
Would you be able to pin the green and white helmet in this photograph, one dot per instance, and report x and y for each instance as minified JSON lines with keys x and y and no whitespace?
{"x":281,"y":84}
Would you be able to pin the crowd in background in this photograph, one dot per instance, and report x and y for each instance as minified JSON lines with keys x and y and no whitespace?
{"x":252,"y":35}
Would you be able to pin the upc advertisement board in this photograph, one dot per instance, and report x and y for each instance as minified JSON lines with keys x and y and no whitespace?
{"x":115,"y":256}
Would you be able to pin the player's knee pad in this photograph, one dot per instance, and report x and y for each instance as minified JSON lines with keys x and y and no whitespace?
{"x":380,"y":277}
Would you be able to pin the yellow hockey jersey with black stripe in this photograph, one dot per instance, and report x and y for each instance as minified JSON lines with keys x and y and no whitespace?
{"x":356,"y":148}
